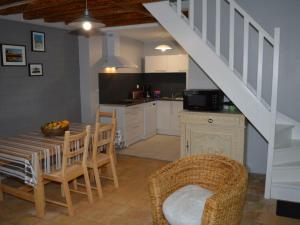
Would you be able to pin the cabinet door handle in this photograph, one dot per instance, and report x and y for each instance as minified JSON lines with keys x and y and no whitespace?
{"x":210,"y":120}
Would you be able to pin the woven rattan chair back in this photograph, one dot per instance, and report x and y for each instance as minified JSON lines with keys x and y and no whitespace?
{"x":226,"y":178}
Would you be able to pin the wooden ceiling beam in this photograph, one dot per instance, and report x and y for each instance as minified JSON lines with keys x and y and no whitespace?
{"x":102,"y":18}
{"x":13,"y":9}
{"x":121,"y":22}
{"x":9,"y":2}
{"x":96,"y":13}
{"x":45,"y":6}
{"x":116,"y":12}
{"x":126,"y":2}
{"x":73,"y":9}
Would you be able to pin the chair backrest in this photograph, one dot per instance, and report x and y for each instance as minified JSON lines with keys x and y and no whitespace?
{"x":108,"y":115}
{"x":75,"y":149}
{"x":104,"y":138}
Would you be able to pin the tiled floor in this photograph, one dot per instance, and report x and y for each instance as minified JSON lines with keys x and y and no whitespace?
{"x":128,"y":205}
{"x":160,"y":147}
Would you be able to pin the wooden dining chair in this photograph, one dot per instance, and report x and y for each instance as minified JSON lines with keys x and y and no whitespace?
{"x":106,"y":118}
{"x":102,"y":115}
{"x":74,"y":165}
{"x":104,"y":138}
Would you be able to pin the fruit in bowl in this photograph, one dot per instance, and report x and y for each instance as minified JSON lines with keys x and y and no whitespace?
{"x":56,"y":128}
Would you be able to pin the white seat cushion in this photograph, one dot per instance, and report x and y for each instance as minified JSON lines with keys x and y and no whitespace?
{"x":185,"y":206}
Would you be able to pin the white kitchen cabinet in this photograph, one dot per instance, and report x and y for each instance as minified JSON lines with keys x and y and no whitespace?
{"x":168,"y":121}
{"x":215,"y":133}
{"x":176,"y":109}
{"x":150,"y":119}
{"x":145,"y":120}
{"x":166,"y":64}
{"x":156,"y":64}
{"x":163,"y":116}
{"x":130,"y":120}
{"x":134,"y":123}
{"x":177,"y":63}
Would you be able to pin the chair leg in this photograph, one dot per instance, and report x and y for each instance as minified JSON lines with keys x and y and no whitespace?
{"x":98,"y":182}
{"x":115,"y":156}
{"x":114,"y":172}
{"x":62,"y":191}
{"x":88,"y":186}
{"x":91,"y":174}
{"x":68,"y":198}
{"x":75,"y":186}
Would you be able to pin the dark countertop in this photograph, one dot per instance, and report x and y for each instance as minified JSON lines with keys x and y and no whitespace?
{"x":130,"y":102}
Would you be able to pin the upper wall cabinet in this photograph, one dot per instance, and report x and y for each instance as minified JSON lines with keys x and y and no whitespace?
{"x":166,"y":64}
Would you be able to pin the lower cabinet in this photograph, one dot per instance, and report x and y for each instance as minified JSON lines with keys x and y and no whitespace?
{"x":130,"y":121}
{"x":150,"y":112}
{"x":145,"y":120}
{"x":216,"y":133}
{"x":134,"y":122}
{"x":168,"y":121}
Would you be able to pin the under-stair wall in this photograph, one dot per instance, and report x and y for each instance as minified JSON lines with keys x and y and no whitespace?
{"x":181,"y":24}
{"x":178,"y":17}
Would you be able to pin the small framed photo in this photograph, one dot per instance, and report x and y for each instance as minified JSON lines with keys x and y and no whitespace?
{"x":35,"y":69}
{"x":38,"y":41}
{"x":13,"y":55}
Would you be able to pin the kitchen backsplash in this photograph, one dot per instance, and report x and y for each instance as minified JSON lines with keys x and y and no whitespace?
{"x":116,"y":87}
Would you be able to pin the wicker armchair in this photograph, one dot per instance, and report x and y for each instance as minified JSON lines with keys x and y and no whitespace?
{"x":225,"y":177}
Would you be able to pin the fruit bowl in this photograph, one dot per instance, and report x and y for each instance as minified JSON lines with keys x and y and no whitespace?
{"x":55,"y":128}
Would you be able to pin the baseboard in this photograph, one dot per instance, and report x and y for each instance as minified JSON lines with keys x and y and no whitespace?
{"x":168,"y":132}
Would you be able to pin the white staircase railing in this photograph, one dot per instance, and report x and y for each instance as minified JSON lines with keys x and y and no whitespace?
{"x":186,"y":10}
{"x":188,"y":6}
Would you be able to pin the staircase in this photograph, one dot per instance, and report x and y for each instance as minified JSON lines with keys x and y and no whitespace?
{"x":187,"y":21}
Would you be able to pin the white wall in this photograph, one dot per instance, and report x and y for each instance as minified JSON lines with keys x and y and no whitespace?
{"x":149,"y":48}
{"x":90,"y":52}
{"x":132,"y":50}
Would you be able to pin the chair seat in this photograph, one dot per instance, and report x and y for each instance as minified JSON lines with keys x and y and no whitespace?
{"x":185,"y":206}
{"x":101,"y":159}
{"x":73,"y":171}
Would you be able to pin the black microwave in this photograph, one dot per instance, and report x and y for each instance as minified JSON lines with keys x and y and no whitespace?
{"x":203,"y":100}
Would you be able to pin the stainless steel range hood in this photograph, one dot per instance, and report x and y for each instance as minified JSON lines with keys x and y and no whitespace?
{"x":111,"y":53}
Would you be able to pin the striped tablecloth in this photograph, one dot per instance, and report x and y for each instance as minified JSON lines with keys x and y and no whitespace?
{"x":19,"y":154}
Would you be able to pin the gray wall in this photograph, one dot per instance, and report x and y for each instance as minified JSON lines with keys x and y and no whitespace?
{"x":270,"y":14}
{"x":283,"y":14}
{"x":27,"y":102}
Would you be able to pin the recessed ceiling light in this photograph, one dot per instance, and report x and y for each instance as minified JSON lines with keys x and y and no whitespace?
{"x":163,"y":48}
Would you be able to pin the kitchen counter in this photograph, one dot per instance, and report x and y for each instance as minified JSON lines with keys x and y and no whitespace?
{"x":130,"y":102}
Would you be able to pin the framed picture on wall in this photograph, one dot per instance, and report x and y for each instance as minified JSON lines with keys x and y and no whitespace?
{"x":35,"y":69}
{"x":13,"y":55}
{"x":37,"y":41}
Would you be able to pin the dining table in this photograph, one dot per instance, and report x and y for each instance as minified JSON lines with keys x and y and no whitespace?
{"x":27,"y":157}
